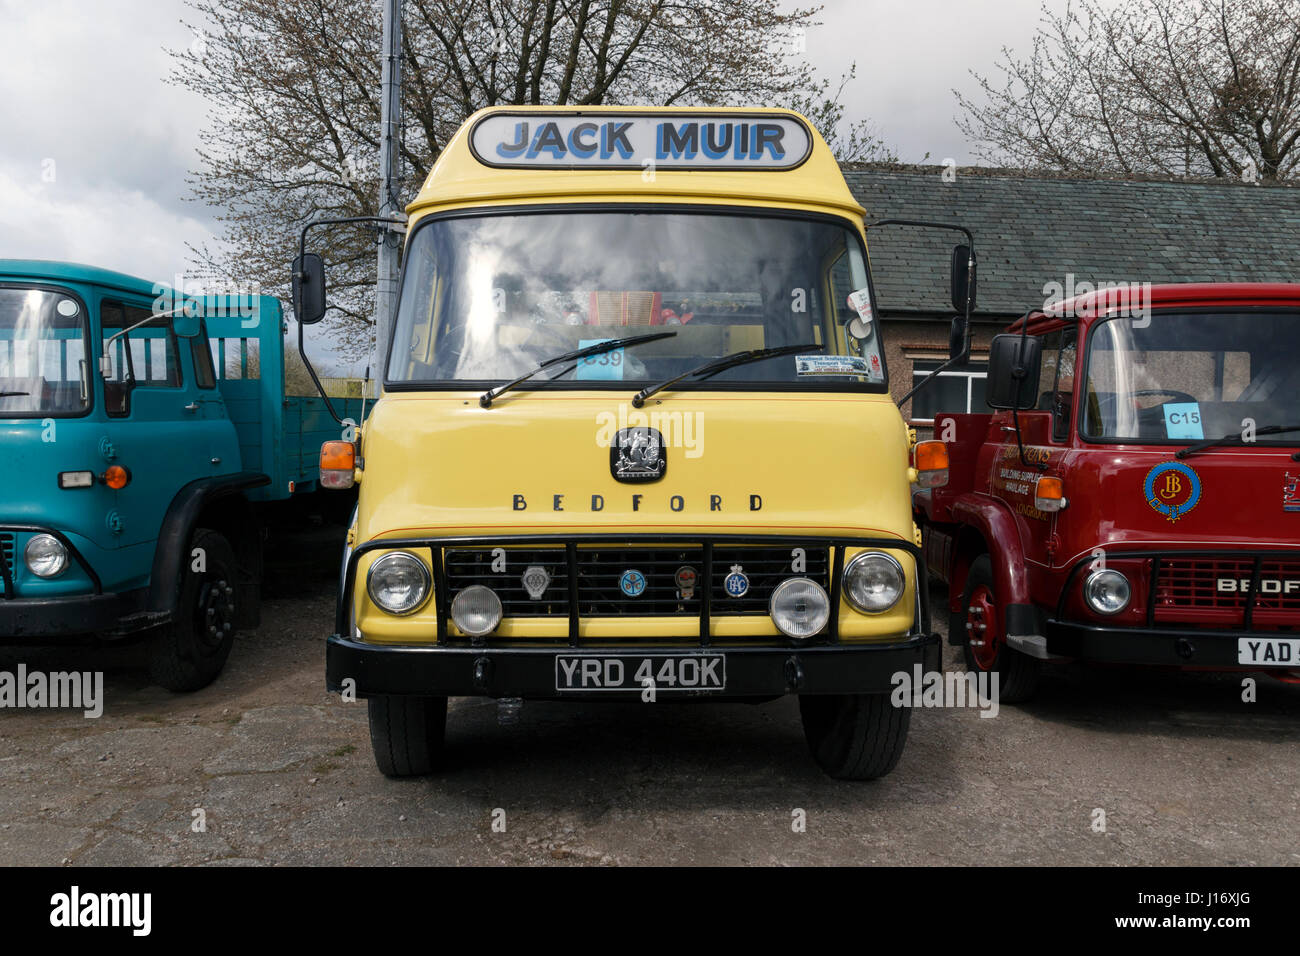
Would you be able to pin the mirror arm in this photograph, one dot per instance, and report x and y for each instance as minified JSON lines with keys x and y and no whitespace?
{"x":1019,"y":375}
{"x":302,"y":252}
{"x":108,"y":342}
{"x":925,"y":381}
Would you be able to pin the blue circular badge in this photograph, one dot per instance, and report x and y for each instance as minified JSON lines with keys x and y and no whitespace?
{"x":1172,"y":489}
{"x":632,"y":583}
{"x":736,"y":583}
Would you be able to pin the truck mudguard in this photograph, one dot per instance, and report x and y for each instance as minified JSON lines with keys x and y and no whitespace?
{"x":178,"y":524}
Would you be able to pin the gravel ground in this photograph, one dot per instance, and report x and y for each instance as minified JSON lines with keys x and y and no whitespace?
{"x":1186,"y":772}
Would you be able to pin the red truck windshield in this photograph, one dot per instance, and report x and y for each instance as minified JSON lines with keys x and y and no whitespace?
{"x":1174,"y":378}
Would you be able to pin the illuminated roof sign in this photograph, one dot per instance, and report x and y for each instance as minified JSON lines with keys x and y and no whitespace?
{"x":656,"y":140}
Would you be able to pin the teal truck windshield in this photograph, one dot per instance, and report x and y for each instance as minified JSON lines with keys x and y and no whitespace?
{"x":487,"y":298}
{"x":44,"y":370}
{"x":1178,"y":378}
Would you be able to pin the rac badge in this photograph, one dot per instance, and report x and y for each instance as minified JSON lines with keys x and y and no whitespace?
{"x":736,"y":583}
{"x":1172,"y":489}
{"x":637,"y":454}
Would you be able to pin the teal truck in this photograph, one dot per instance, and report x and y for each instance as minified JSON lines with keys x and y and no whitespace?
{"x":147,"y":439}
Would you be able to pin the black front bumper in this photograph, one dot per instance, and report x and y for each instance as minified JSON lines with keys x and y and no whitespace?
{"x":437,"y":671}
{"x":1160,"y":646}
{"x":31,"y":618}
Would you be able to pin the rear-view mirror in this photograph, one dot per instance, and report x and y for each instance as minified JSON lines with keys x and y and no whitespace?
{"x":1014,"y":362}
{"x":308,"y":289}
{"x":963,"y":278}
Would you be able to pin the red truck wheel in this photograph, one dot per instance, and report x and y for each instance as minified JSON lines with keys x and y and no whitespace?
{"x":985,"y":646}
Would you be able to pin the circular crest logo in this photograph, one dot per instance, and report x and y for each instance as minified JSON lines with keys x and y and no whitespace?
{"x":632,"y":583}
{"x":1172,"y":489}
{"x":736,"y":583}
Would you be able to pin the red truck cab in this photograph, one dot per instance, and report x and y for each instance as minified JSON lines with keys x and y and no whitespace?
{"x":1134,"y":496}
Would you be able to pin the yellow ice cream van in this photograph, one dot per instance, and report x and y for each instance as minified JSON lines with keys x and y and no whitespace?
{"x":635,"y":439}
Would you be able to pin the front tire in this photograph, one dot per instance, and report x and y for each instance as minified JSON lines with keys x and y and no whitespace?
{"x":190,"y":652}
{"x":854,"y":736}
{"x":407,"y":734}
{"x":985,"y":648}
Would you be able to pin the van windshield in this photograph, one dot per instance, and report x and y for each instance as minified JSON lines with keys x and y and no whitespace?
{"x":43,"y":367}
{"x":1174,"y":378}
{"x":487,"y":298}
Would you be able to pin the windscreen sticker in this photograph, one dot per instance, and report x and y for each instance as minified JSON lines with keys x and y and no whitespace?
{"x":831,"y":365}
{"x":606,"y":367}
{"x":1183,"y":420}
{"x":860,"y":302}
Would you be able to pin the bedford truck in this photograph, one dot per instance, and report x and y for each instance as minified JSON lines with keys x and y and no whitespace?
{"x":1132,"y":498}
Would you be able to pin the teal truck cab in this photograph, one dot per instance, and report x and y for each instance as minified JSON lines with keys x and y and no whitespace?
{"x":145,"y":434}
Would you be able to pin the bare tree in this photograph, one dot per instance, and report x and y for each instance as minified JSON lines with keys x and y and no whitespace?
{"x":1179,"y":88}
{"x":293,"y":86}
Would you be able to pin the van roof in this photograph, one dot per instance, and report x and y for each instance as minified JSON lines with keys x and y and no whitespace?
{"x":56,"y":271}
{"x":460,"y":178}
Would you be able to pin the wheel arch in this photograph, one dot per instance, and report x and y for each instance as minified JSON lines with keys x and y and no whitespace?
{"x":220,"y":504}
{"x":990,"y":528}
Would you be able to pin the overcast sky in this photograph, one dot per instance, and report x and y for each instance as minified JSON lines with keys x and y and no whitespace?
{"x":95,"y":146}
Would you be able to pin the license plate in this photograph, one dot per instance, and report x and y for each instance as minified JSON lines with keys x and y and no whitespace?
{"x":664,"y":672}
{"x":1268,"y":651}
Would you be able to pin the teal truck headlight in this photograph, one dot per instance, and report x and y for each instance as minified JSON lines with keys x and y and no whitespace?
{"x":45,"y":556}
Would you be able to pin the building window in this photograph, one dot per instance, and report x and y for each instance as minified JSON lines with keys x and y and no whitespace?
{"x":957,"y":390}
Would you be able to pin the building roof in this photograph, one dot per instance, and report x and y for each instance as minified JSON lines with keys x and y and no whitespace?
{"x":1031,"y":231}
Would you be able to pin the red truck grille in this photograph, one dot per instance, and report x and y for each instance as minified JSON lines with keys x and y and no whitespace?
{"x":1219,"y":589}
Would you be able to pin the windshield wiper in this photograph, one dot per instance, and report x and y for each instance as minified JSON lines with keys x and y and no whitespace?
{"x":1233,"y":438}
{"x":12,"y":394}
{"x":599,"y":348}
{"x":719,"y":365}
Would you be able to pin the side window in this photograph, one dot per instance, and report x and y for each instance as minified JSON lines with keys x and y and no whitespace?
{"x":1056,"y":380}
{"x":146,"y":357}
{"x":204,"y":374}
{"x":959,"y":390}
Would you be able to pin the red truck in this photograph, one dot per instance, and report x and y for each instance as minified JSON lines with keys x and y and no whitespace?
{"x":1134,"y":496}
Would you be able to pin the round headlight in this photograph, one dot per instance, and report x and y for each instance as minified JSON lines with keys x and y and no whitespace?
{"x":799,"y":607}
{"x":873,"y":582}
{"x":45,"y":555}
{"x":476,"y":610}
{"x":1107,"y":591}
{"x":398,"y":582}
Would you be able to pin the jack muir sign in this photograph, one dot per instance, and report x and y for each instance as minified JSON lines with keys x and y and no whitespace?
{"x":633,"y":141}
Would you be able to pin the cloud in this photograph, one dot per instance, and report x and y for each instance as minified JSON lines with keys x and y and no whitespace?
{"x":84,"y":98}
{"x":911,"y":56}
